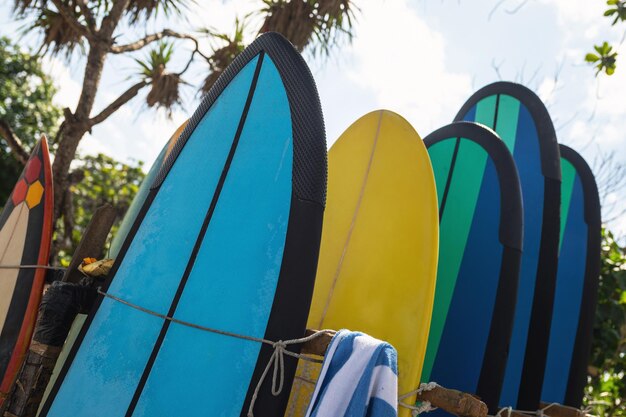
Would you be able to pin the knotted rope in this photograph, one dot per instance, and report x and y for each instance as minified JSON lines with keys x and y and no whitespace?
{"x":425,"y":406}
{"x":276,"y":362}
{"x":541,"y":410}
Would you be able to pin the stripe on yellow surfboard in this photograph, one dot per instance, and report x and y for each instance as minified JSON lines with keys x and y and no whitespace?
{"x":378,"y":256}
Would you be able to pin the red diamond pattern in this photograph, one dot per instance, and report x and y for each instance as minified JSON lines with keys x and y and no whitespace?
{"x":19,"y":192}
{"x":33,"y":168}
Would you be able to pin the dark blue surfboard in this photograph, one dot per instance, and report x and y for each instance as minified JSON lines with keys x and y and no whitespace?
{"x":228,"y":238}
{"x":480,"y":218}
{"x":576,"y":283}
{"x":523,"y":123}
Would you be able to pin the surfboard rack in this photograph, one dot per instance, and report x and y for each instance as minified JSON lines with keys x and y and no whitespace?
{"x":455,"y":402}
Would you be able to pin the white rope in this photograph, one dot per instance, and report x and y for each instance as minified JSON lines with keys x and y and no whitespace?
{"x":541,"y":410}
{"x":586,"y":410}
{"x":507,"y":409}
{"x":57,"y":268}
{"x":276,"y":362}
{"x":539,"y":413}
{"x":425,"y":406}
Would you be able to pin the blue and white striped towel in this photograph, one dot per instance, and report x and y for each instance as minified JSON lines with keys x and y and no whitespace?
{"x":359,"y":378}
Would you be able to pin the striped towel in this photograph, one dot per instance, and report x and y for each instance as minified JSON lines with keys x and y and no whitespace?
{"x":359,"y":378}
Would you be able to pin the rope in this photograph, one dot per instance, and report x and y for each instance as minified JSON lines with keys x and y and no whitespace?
{"x":541,"y":410}
{"x":586,"y":410}
{"x":510,"y":410}
{"x":507,"y":411}
{"x":276,"y":362}
{"x":425,"y":406}
{"x":55,"y":268}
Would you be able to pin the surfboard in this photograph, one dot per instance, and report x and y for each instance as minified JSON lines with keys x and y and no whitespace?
{"x":523,"y":123}
{"x":114,"y":249}
{"x":378,"y":257}
{"x":227,"y":239}
{"x":480,"y":247}
{"x":142,"y":194}
{"x":25,"y":238}
{"x":576,"y":284}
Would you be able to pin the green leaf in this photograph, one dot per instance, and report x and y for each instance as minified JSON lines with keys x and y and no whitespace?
{"x":26,"y":104}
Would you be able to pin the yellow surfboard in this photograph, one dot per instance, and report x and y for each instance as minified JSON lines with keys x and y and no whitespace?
{"x":378,"y":257}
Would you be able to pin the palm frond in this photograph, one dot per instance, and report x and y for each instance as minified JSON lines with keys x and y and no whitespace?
{"x":165,"y":86}
{"x":58,"y":35}
{"x":144,"y":9}
{"x":21,"y":7}
{"x":165,"y":91}
{"x":317,"y":23}
{"x":225,"y":54}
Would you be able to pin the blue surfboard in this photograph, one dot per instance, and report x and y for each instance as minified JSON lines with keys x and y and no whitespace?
{"x":523,"y":123}
{"x":228,"y":238}
{"x":480,"y":217}
{"x":576,"y":283}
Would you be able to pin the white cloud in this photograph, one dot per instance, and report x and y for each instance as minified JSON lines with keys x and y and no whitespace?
{"x":547,"y":89}
{"x":402,"y":60}
{"x":69,"y":87}
{"x":417,"y":61}
{"x":577,"y":12}
{"x":129,"y":138}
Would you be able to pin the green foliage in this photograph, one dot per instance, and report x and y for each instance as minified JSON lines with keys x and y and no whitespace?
{"x":26,"y":94}
{"x":164,"y":85}
{"x":157,"y":59}
{"x":604,"y":60}
{"x":105,"y":181}
{"x":616,"y":8}
{"x":606,"y":390}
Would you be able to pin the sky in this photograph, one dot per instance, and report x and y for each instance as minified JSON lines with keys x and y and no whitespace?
{"x":420,"y":58}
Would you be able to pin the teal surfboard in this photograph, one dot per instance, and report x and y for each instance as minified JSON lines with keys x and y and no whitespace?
{"x":142,"y":193}
{"x":481,"y":226}
{"x":228,"y":238}
{"x":576,"y":284}
{"x":116,"y":244}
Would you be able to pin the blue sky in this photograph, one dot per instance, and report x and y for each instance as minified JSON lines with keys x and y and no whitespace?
{"x":420,"y":58}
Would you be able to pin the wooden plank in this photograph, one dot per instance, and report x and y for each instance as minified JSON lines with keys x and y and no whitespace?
{"x":92,"y":243}
{"x":558,"y":410}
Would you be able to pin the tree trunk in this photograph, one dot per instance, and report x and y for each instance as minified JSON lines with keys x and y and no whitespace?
{"x":76,"y":125}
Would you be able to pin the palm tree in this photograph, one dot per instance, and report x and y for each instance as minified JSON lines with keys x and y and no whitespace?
{"x":92,"y":28}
